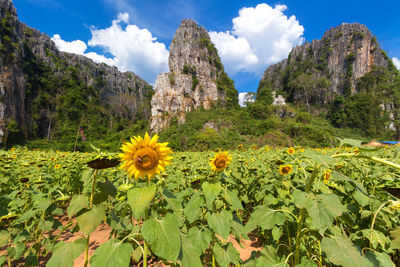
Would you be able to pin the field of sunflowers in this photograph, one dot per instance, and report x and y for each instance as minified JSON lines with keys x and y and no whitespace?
{"x":303,"y":207}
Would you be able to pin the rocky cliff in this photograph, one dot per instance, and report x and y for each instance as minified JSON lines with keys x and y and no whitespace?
{"x":41,"y":87}
{"x":196,"y":78}
{"x":315,"y":72}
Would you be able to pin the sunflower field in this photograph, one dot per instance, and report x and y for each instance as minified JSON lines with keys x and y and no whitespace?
{"x":287,"y":206}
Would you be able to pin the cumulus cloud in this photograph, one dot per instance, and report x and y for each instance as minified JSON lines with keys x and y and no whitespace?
{"x":260,"y":36}
{"x":245,"y":97}
{"x":132,"y":48}
{"x":396,"y":62}
{"x":77,"y":47}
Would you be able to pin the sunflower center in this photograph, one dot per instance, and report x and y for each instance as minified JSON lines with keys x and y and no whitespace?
{"x":145,"y":159}
{"x":286,"y":169}
{"x":220,"y":163}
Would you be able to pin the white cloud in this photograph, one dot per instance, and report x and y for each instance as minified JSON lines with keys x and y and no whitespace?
{"x":396,"y":62}
{"x":245,"y":97}
{"x":260,"y":36}
{"x":235,"y":52}
{"x":76,"y":47}
{"x":101,"y":59}
{"x":132,"y":48}
{"x":123,"y":17}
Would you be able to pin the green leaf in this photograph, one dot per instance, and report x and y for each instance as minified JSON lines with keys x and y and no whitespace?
{"x":31,"y":260}
{"x":200,"y":239}
{"x":173,"y":202}
{"x":44,"y":203}
{"x":307,"y":263}
{"x":107,"y":188}
{"x":376,"y":237}
{"x":351,"y":142}
{"x":78,"y":202}
{"x":233,"y":200}
{"x":163,"y":236}
{"x":264,"y":217}
{"x":112,"y":254}
{"x":99,"y":198}
{"x":87,"y":179}
{"x":268,"y":257}
{"x":395,"y":235}
{"x":190,"y":255}
{"x":4,"y":235}
{"x":137,"y":254}
{"x":89,"y":220}
{"x":380,"y":259}
{"x":319,"y":157}
{"x":139,"y":199}
{"x":211,"y":191}
{"x":64,"y":254}
{"x":323,"y":208}
{"x":2,"y":260}
{"x":225,"y":255}
{"x":220,"y":222}
{"x":341,"y":177}
{"x":16,"y":252}
{"x":192,"y":210}
{"x":343,"y":252}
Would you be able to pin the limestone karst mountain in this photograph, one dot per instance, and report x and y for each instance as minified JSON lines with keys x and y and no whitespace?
{"x":196,"y":79}
{"x":46,"y":93}
{"x":314,"y":72}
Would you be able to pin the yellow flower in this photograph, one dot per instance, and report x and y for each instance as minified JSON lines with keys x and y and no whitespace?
{"x":144,"y":156}
{"x":267,"y":148}
{"x":14,"y":156}
{"x":285,"y":169}
{"x":327,"y":175}
{"x":220,"y":161}
{"x":395,"y":205}
{"x":239,"y":147}
{"x":57,"y":166}
{"x":12,"y":149}
{"x":291,"y":150}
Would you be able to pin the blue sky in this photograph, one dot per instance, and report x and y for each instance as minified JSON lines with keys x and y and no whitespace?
{"x":135,"y":35}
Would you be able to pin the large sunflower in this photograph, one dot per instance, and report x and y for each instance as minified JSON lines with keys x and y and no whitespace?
{"x":220,"y":161}
{"x":144,"y":156}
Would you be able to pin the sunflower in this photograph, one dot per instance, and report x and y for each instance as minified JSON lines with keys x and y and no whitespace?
{"x":14,"y":156}
{"x":144,"y":156}
{"x":57,"y":166}
{"x":327,"y":175}
{"x":240,"y":147}
{"x":220,"y":161}
{"x":285,"y":169}
{"x":291,"y":150}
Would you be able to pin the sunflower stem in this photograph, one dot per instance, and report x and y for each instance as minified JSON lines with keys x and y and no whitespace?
{"x":90,"y":207}
{"x":92,"y":192}
{"x":302,"y":217}
{"x":144,"y":253}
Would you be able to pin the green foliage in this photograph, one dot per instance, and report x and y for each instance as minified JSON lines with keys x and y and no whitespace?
{"x":256,"y":124}
{"x":363,"y":110}
{"x":226,"y":85}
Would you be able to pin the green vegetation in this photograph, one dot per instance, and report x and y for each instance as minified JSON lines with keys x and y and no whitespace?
{"x":370,"y":108}
{"x":321,"y":207}
{"x":255,"y":125}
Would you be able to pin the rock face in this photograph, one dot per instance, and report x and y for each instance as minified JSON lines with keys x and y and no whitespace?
{"x":196,"y":78}
{"x":316,"y":71}
{"x":27,"y":57}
